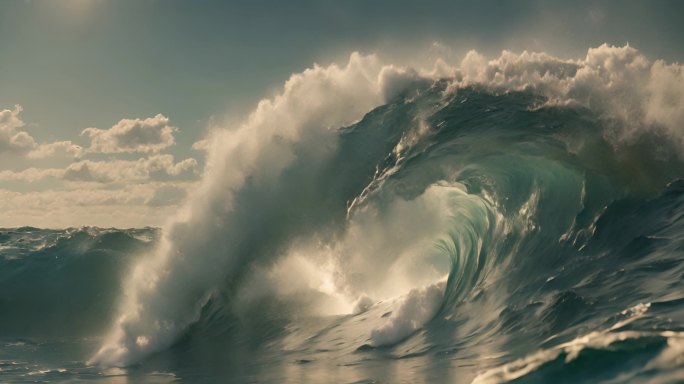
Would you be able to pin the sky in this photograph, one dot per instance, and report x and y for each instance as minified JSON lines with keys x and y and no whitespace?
{"x":104,"y":103}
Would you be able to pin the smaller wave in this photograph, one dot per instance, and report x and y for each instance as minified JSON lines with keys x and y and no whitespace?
{"x":612,"y":349}
{"x":63,"y":282}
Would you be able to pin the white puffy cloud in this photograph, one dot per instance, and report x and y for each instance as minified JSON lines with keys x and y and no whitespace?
{"x":157,"y":167}
{"x":31,"y":175}
{"x":113,"y":192}
{"x":167,"y":195}
{"x":17,"y":142}
{"x":154,"y":167}
{"x":201,"y":145}
{"x":12,"y":139}
{"x":150,"y":135}
{"x":57,"y":148}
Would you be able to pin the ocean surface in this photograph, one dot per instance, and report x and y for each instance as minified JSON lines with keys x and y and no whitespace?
{"x":447,"y":236}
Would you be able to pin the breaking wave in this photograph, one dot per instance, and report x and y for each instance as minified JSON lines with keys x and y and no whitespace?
{"x":516,"y":218}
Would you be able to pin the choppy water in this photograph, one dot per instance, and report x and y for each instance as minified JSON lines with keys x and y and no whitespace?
{"x":447,"y":236}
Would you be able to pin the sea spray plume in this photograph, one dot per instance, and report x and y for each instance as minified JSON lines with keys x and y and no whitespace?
{"x":211,"y":238}
{"x":618,"y":82}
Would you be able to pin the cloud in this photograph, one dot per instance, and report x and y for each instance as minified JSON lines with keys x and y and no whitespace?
{"x":31,"y":175}
{"x":141,"y":170}
{"x":58,"y":148}
{"x":201,"y":145}
{"x":12,"y":139}
{"x":150,"y":135}
{"x":116,"y":192}
{"x":167,"y":195}
{"x":88,"y":204}
{"x":157,"y":167}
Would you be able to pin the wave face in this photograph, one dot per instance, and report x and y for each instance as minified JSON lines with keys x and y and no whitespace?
{"x":511,"y":220}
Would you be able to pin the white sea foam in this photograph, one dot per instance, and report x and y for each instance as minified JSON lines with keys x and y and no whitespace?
{"x":619,"y":82}
{"x":410,"y":313}
{"x":202,"y":245}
